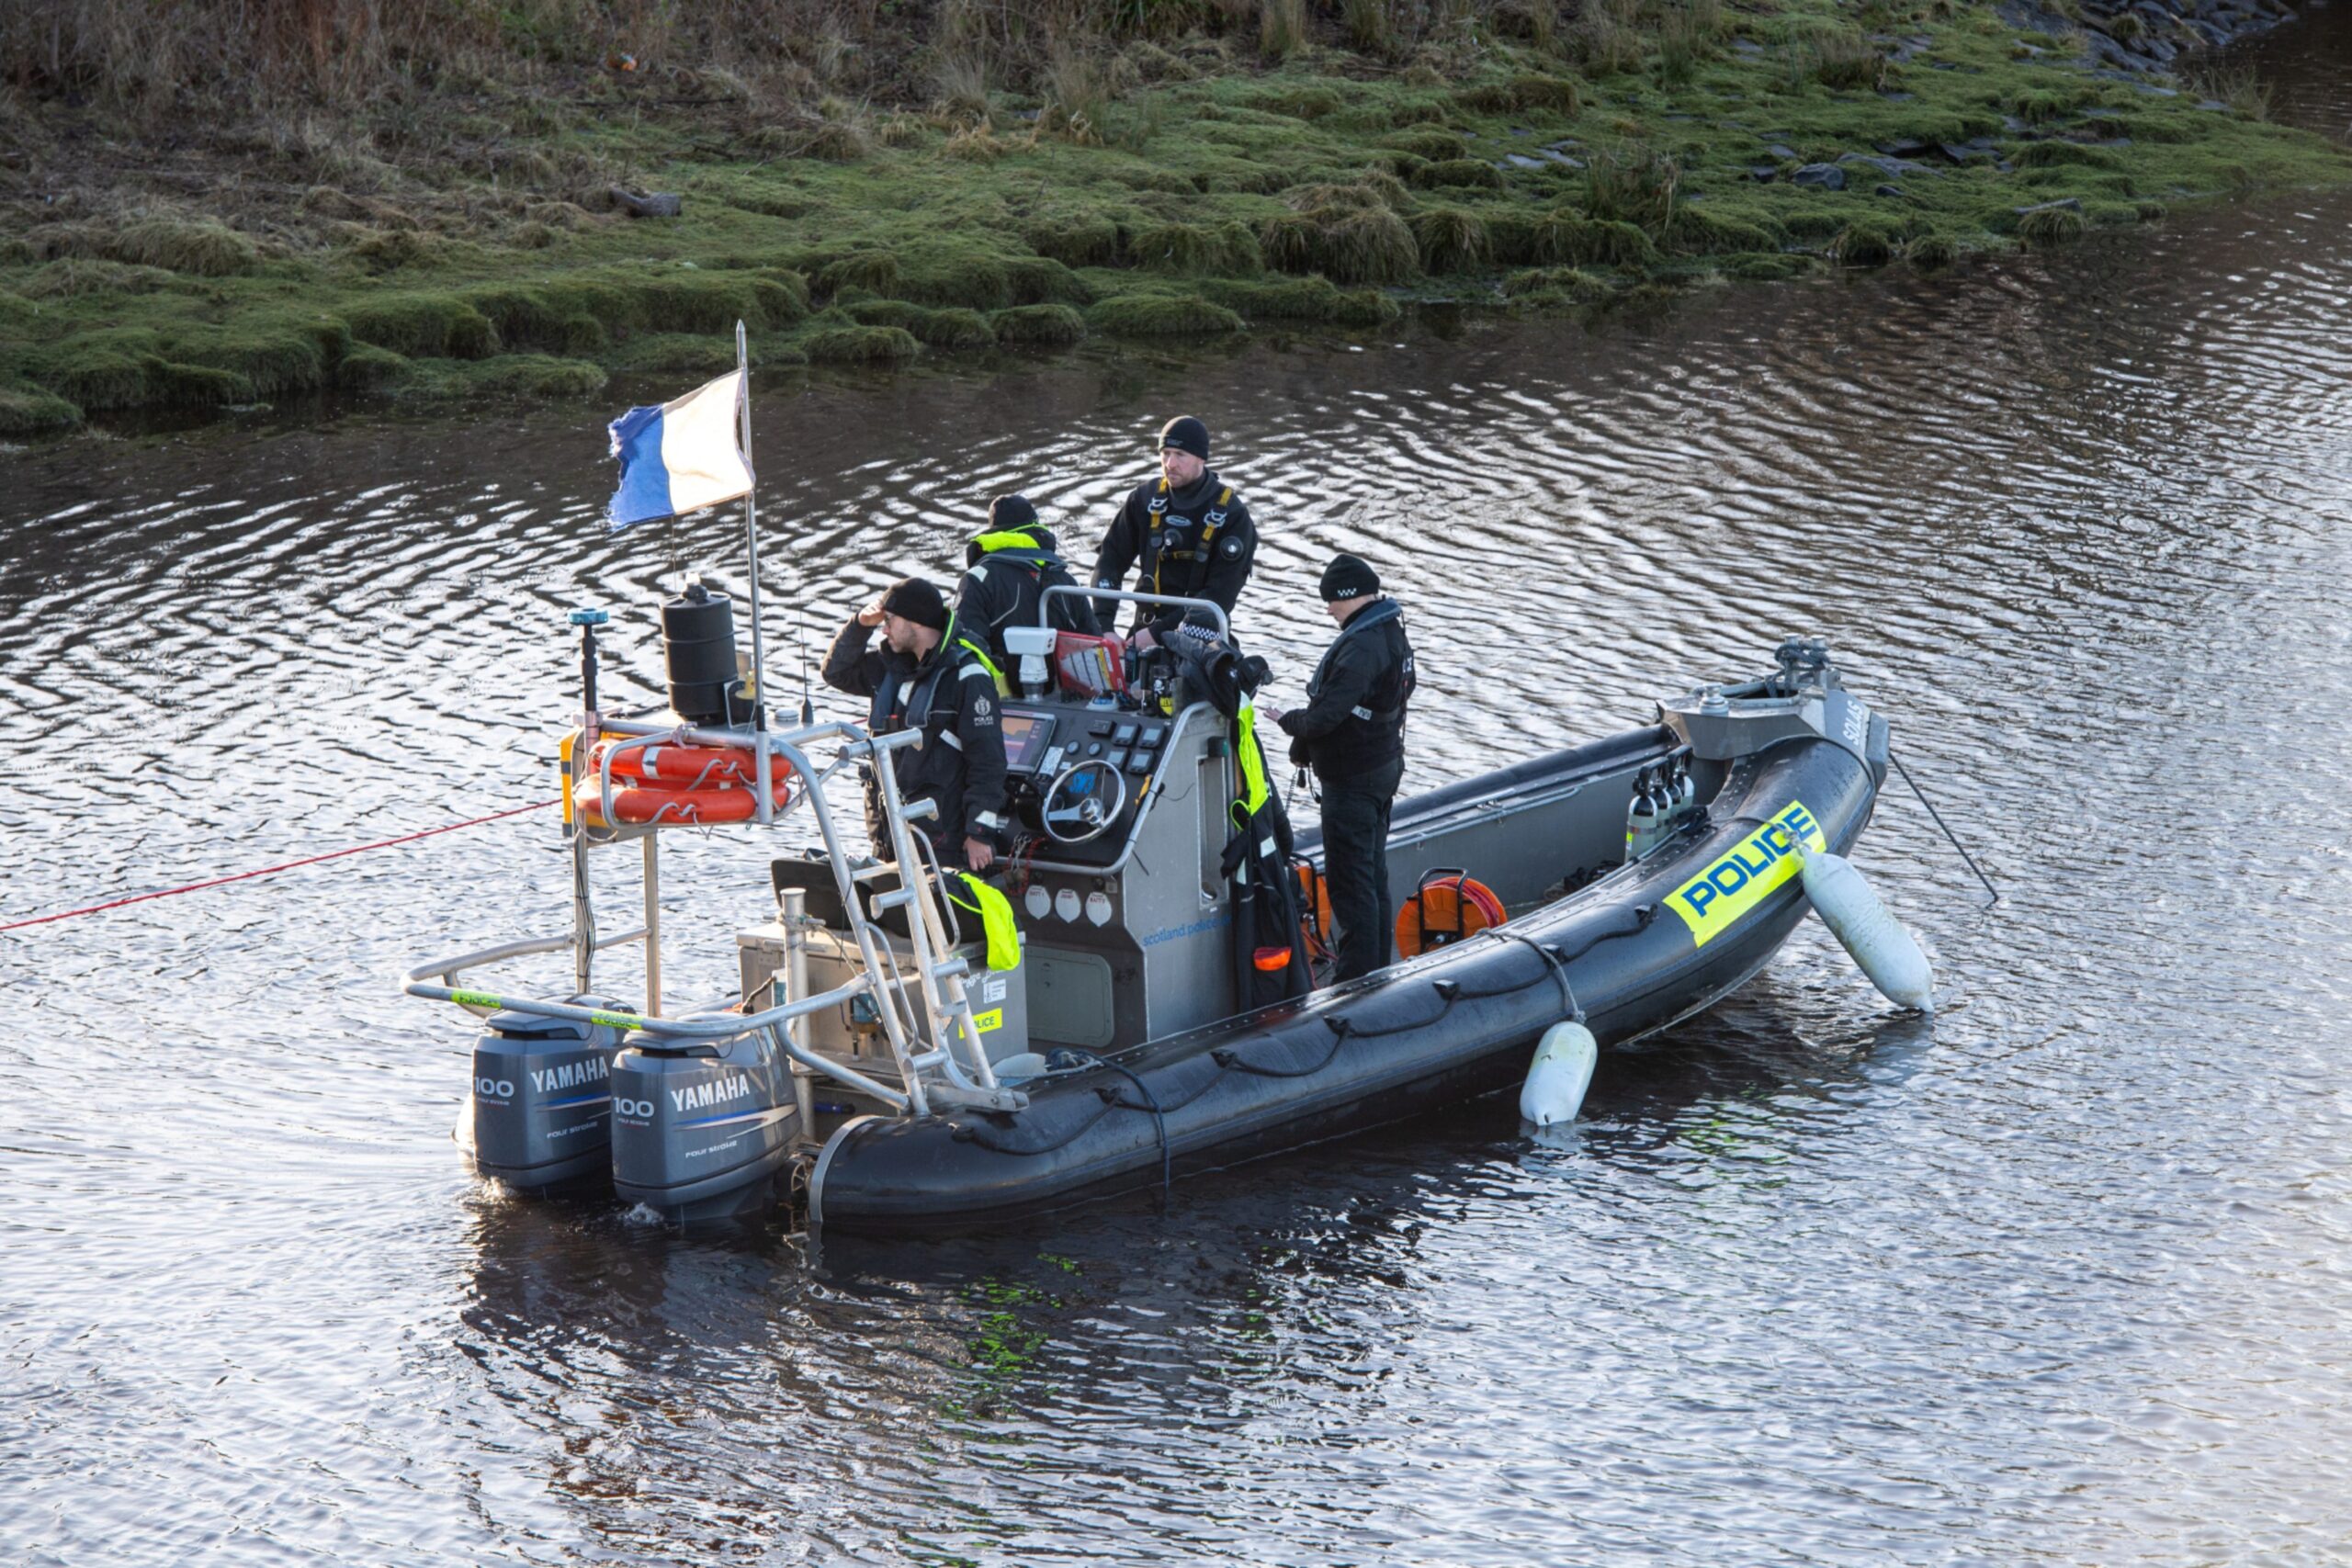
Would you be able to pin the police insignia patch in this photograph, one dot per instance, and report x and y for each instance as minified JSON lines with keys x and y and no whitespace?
{"x":979,"y":707}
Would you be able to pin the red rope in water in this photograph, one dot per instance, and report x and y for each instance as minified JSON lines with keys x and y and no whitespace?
{"x":271,"y":870}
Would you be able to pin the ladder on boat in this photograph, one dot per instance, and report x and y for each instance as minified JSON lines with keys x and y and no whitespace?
{"x":923,"y":1005}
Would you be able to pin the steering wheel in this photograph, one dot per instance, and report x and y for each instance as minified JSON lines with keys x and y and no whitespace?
{"x":1079,"y":806}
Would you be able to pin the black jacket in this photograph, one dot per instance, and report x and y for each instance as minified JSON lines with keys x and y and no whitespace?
{"x":1202,"y":547}
{"x":1008,"y":573}
{"x":1354,"y":717}
{"x":960,"y":762}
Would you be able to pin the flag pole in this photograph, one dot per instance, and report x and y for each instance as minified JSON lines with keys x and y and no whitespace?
{"x":763,"y":802}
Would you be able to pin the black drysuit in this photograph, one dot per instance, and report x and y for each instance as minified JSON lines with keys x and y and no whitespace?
{"x":1010,"y":571}
{"x":1196,"y":543}
{"x":1352,"y":731}
{"x":959,"y":762}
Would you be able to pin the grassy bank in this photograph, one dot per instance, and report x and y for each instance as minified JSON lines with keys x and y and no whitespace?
{"x":448,"y":226}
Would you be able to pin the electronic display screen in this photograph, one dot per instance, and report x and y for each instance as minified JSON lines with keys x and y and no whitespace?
{"x":1026,"y":736}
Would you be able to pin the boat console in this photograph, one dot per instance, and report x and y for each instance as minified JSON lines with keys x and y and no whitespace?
{"x":1117,"y":889}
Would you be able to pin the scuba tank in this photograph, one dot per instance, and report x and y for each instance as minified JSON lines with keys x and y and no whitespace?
{"x":1686,"y":789}
{"x":1642,"y":817}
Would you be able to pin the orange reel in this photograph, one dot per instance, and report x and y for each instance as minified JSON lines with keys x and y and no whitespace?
{"x":1449,"y":906}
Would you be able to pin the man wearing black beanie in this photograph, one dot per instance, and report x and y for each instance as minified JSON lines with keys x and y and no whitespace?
{"x":1186,"y":534}
{"x":1009,"y":564}
{"x":929,"y":676}
{"x":1351,"y":732}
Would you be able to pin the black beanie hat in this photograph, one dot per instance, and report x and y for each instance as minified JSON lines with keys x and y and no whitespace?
{"x":1348,"y":577}
{"x":1008,"y":513}
{"x":1186,"y":435}
{"x":917,"y":601}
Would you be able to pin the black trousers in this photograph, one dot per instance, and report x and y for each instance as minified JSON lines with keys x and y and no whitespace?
{"x":1355,"y":865}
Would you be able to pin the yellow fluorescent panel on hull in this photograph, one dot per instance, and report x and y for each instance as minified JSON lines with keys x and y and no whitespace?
{"x":1712,"y":902}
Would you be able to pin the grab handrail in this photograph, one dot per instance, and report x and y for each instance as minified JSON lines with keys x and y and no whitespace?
{"x":1124,"y":596}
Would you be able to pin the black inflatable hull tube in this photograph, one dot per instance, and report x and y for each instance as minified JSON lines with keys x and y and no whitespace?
{"x":1448,"y":1026}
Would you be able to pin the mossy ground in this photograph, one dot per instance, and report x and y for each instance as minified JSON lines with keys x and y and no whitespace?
{"x":1187,"y":193}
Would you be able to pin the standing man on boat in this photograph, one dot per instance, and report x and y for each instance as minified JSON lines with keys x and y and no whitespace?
{"x":1186,"y":533}
{"x":1351,"y":732}
{"x":928,"y":676}
{"x":1010,"y":564}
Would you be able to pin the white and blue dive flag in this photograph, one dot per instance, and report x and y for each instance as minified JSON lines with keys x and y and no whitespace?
{"x":680,"y":455}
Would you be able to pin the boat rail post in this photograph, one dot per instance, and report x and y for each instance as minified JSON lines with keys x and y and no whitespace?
{"x":583,"y":915}
{"x":795,"y":982}
{"x":653,"y":921}
{"x":763,"y":806}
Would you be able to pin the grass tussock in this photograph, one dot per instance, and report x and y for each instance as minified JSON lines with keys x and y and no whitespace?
{"x":1038,"y":326}
{"x":875,"y":270}
{"x":1348,"y":244}
{"x":1693,"y":231}
{"x":1161,"y":315}
{"x":1432,"y":142}
{"x":1862,"y":245}
{"x":1528,"y":94}
{"x":1633,"y":184}
{"x":2240,"y":87}
{"x":426,"y":326}
{"x":862,"y":345}
{"x":1075,"y":239}
{"x":1281,"y":27}
{"x":1193,"y":249}
{"x":1929,"y":253}
{"x":2046,"y":228}
{"x":1458,"y":174}
{"x":28,"y":411}
{"x":1451,"y":240}
{"x":72,"y":277}
{"x":202,"y":249}
{"x":953,"y":328}
{"x":2072,"y":154}
{"x":1557,"y":284}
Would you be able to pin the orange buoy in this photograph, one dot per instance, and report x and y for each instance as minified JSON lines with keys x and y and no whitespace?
{"x":642,"y":806}
{"x":686,"y":767}
{"x":1449,"y":906}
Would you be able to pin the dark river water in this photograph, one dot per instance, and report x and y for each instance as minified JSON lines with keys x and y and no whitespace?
{"x":2063,"y":1275}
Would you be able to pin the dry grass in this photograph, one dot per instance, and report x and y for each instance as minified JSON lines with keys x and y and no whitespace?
{"x":1633,"y":184}
{"x":1281,"y":27}
{"x":961,"y":80}
{"x":2239,"y":86}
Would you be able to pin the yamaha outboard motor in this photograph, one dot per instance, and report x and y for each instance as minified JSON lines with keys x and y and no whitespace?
{"x":699,"y":1131}
{"x":542,"y":1100}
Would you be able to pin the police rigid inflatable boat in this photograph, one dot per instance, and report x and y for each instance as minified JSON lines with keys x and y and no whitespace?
{"x":1157,"y":1018}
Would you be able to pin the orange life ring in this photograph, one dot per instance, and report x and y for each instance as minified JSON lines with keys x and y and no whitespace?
{"x":1448,"y":908}
{"x":640,"y":805}
{"x":685,"y":767}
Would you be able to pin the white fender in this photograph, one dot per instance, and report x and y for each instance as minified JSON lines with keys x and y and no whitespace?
{"x":1876,"y":939}
{"x":1560,"y":1074}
